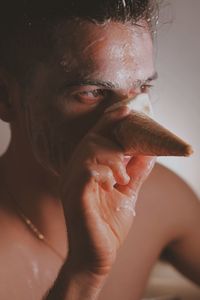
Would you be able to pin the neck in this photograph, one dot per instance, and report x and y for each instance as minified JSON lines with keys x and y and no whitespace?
{"x":34,"y":189}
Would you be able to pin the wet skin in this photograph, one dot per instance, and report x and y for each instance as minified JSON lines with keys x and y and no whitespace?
{"x":91,"y":67}
{"x":94,"y":53}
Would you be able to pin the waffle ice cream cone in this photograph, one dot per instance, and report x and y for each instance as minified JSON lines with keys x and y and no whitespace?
{"x":139,"y":133}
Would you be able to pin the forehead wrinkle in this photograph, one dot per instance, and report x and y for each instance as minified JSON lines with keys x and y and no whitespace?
{"x":93,"y":39}
{"x":123,"y":60}
{"x":120,"y":74}
{"x":94,"y":43}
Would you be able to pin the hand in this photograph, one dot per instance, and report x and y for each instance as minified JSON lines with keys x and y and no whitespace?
{"x":99,"y":193}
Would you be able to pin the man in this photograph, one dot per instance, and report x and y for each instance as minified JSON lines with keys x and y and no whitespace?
{"x":68,"y":192}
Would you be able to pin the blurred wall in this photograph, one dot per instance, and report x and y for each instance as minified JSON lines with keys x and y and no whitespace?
{"x":177,"y":94}
{"x":176,"y":97}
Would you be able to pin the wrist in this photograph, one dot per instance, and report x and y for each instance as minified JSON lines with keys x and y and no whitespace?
{"x":73,"y":284}
{"x":84,"y":286}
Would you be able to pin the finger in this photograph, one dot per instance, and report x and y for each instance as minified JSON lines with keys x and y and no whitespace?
{"x":119,"y":172}
{"x":102,"y":175}
{"x":108,"y":154}
{"x":138,"y":168}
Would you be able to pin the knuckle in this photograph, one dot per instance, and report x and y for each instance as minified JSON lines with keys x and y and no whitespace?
{"x":119,"y":164}
{"x":120,"y":156}
{"x":106,"y":171}
{"x":119,"y":167}
{"x":109,"y":173}
{"x":117,"y":157}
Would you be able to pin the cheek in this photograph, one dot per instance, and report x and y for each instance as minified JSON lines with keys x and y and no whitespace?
{"x":54,"y":135}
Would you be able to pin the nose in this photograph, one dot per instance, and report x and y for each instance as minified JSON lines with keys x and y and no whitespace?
{"x":123,"y":99}
{"x":125,"y":94}
{"x":132,"y":93}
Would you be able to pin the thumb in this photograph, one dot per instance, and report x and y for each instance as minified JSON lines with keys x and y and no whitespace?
{"x":138,"y":168}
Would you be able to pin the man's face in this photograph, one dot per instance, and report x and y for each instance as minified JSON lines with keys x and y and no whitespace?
{"x":92,"y":67}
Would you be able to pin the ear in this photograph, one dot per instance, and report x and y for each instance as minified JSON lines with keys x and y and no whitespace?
{"x":6,"y":111}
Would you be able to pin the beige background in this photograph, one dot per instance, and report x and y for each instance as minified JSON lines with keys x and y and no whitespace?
{"x":177,"y":94}
{"x":177,"y":98}
{"x":177,"y":105}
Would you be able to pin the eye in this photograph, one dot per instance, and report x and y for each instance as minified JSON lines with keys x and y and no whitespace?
{"x":145,"y":88}
{"x":92,"y":96}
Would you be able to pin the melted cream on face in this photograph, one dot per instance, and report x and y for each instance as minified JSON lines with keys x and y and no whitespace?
{"x":115,"y":53}
{"x":140,"y":103}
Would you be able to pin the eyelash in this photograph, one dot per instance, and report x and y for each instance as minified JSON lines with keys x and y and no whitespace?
{"x":96,"y":92}
{"x":92,"y":96}
{"x":146,"y":87}
{"x":98,"y":95}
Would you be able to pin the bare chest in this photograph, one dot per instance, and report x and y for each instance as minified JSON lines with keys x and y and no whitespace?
{"x":28,"y":267}
{"x":25,"y":275}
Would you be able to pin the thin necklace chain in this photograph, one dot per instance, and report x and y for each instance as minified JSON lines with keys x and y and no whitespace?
{"x":32,"y":227}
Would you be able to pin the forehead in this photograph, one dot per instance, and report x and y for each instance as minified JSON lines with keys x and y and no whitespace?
{"x":112,"y":50}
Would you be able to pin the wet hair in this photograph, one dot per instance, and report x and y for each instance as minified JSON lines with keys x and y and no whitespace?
{"x":25,"y":25}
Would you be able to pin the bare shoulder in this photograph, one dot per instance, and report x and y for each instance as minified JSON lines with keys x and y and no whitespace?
{"x":163,"y":177}
{"x":173,"y":211}
{"x":170,"y":202}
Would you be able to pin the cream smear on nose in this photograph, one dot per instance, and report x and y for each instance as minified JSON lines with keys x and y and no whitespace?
{"x":140,"y":103}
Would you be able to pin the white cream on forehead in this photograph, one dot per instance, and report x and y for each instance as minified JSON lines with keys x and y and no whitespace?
{"x":140,"y":103}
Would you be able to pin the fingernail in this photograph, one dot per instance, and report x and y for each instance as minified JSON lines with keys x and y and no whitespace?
{"x":126,"y":178}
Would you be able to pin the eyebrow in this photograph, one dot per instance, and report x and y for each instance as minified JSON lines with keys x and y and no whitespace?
{"x":100,"y":83}
{"x":109,"y":84}
{"x":153,"y":77}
